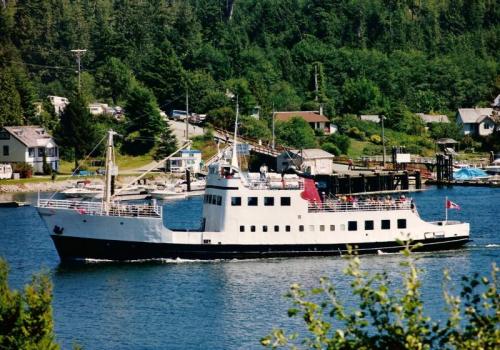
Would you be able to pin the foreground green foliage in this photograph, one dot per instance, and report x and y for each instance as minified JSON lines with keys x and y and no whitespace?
{"x":393,"y":319}
{"x":26,"y":318}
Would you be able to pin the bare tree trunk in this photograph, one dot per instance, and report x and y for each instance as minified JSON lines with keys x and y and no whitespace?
{"x":229,"y":9}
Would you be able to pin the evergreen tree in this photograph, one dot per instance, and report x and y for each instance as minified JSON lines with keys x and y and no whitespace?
{"x":77,"y":132}
{"x":144,"y":123}
{"x":167,"y":144}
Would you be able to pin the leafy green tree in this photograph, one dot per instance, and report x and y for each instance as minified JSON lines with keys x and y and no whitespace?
{"x":144,"y":123}
{"x":283,"y":97}
{"x":445,"y":130}
{"x":295,"y":133}
{"x":254,"y":128}
{"x":77,"y":133}
{"x":10,"y":100}
{"x":26,"y":318}
{"x":392,"y":319}
{"x":330,"y":148}
{"x":223,"y":117}
{"x":361,"y":96}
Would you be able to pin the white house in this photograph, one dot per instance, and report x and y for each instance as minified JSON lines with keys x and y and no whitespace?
{"x":188,"y":159}
{"x":433,"y":118}
{"x":316,"y":119}
{"x":28,"y":144}
{"x":478,"y":121}
{"x":374,"y":118}
{"x":312,"y":161}
{"x":59,"y":103}
{"x":97,"y":108}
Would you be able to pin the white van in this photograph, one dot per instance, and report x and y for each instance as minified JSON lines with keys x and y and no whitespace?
{"x":5,"y":171}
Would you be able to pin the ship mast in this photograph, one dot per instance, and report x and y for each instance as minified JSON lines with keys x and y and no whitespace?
{"x":234,"y":158}
{"x":110,"y":168}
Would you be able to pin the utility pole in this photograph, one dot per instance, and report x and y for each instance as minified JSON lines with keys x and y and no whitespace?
{"x":187,"y":114}
{"x":316,"y":88}
{"x":383,"y":141}
{"x":273,"y":143}
{"x":79,"y":53}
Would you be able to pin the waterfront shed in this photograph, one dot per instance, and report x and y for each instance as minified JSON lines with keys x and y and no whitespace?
{"x":312,"y":161}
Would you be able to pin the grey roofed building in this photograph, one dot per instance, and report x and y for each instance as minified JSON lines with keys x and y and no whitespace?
{"x":375,"y":118}
{"x":478,"y":121}
{"x":31,"y":136}
{"x":313,"y":161}
{"x":433,"y":118}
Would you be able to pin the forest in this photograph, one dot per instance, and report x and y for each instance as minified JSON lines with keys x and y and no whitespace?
{"x":353,"y":56}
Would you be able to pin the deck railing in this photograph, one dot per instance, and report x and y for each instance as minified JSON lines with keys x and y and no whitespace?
{"x":99,"y":208}
{"x":338,"y":206}
{"x":275,"y":184}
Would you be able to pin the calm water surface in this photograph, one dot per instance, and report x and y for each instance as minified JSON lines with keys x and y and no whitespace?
{"x":224,"y":304}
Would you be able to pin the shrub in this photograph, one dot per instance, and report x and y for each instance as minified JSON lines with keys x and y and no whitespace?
{"x":388,"y":319}
{"x":376,"y":139}
{"x":26,"y":318}
{"x":24,"y":169}
{"x":330,"y":148}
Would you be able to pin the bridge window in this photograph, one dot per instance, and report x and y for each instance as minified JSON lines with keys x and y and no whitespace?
{"x":253,"y":201}
{"x":369,"y":225}
{"x":401,"y":223}
{"x":322,"y":227}
{"x":236,"y":201}
{"x":242,"y":228}
{"x":301,"y":228}
{"x":386,"y":224}
{"x":332,"y":227}
{"x":342,"y":227}
{"x":219,"y":200}
{"x":252,"y":228}
{"x":352,"y":225}
{"x":268,"y":201}
{"x":264,"y":228}
{"x":287,"y":228}
{"x":311,"y":228}
{"x":276,"y":228}
{"x":285,"y":201}
{"x":214,"y":199}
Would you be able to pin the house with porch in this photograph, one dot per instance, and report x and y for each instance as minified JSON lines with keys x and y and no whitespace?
{"x":28,"y":144}
{"x":478,"y":121}
{"x":188,"y":159}
{"x":316,"y":119}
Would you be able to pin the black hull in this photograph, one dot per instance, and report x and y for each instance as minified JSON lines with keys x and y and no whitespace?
{"x":74,"y":249}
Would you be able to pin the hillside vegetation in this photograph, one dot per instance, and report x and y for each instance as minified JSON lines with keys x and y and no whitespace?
{"x":370,"y":56}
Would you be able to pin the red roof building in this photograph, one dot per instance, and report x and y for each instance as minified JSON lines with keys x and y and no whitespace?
{"x":316,"y":120}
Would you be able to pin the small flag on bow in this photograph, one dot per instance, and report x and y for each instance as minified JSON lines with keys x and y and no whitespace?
{"x":451,"y":205}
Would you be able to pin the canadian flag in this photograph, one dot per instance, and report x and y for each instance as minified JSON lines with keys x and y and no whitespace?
{"x":451,"y":205}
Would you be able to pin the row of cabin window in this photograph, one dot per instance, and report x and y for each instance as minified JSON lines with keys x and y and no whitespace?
{"x":254,"y":201}
{"x":212,"y":199}
{"x":351,"y":226}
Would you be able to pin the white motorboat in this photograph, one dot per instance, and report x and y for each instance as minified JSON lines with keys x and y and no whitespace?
{"x":245,"y":215}
{"x":168,"y":192}
{"x":83,"y":189}
{"x":493,"y":168}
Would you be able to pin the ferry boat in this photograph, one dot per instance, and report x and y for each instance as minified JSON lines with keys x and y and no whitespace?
{"x":245,"y":215}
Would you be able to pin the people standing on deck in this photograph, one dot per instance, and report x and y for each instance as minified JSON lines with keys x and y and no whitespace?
{"x":349,"y":164}
{"x":263,"y":172}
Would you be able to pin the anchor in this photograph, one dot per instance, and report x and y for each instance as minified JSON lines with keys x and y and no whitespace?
{"x":58,"y":230}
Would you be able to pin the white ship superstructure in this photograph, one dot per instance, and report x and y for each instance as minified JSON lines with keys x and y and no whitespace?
{"x":245,"y":215}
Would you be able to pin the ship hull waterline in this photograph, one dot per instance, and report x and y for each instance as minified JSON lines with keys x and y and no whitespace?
{"x":81,"y":249}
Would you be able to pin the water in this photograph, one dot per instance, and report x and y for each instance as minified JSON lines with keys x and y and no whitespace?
{"x":223,"y":304}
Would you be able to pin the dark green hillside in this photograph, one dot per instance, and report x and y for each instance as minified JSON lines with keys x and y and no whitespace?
{"x":372,"y":56}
